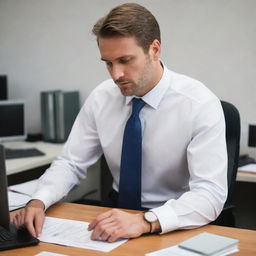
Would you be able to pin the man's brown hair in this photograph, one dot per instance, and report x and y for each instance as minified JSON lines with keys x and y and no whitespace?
{"x":129,"y":19}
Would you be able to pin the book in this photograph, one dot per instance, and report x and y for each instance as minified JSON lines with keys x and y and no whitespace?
{"x":210,"y":244}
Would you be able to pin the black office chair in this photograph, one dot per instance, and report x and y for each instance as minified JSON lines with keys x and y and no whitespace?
{"x":232,"y":119}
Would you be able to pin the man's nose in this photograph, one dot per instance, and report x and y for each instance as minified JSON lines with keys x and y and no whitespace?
{"x":117,"y":72}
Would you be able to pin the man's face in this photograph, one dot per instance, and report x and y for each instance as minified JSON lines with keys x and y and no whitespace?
{"x":131,"y":69}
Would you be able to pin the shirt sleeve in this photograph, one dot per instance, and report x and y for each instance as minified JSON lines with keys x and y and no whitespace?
{"x":81,"y":150}
{"x":207,"y":166}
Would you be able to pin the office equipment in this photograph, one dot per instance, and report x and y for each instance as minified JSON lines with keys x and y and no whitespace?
{"x":3,"y":87}
{"x":12,"y":120}
{"x":210,"y":244}
{"x":67,"y":108}
{"x":245,"y":159}
{"x":10,"y":236}
{"x":252,"y":136}
{"x":11,"y":153}
{"x":58,"y":112}
{"x":32,"y":164}
{"x":48,"y":116}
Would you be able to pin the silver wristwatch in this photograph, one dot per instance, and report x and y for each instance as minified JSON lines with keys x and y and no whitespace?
{"x":151,"y":218}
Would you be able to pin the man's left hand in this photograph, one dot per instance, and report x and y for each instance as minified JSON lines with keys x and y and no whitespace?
{"x":114,"y":224}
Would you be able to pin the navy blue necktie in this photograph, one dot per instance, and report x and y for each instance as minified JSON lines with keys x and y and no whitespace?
{"x":130,"y":171}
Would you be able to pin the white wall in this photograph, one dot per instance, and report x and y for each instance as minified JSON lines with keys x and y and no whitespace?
{"x":47,"y":44}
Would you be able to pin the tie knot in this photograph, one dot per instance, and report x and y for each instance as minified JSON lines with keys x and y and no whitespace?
{"x":137,"y":105}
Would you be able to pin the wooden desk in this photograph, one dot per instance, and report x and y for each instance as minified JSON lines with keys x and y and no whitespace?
{"x":134,"y":247}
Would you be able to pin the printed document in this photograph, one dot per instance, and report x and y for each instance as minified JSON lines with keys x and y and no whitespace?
{"x":73,"y":233}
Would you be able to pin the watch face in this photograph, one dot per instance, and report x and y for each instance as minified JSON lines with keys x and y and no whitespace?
{"x":150,"y":216}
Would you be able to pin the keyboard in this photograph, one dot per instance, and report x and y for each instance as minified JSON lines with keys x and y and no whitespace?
{"x":15,"y":238}
{"x":5,"y":235}
{"x":11,"y":153}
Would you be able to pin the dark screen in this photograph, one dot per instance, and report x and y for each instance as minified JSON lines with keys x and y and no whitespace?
{"x":11,"y":120}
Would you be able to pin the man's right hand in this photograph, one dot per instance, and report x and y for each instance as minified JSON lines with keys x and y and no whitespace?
{"x":31,"y":217}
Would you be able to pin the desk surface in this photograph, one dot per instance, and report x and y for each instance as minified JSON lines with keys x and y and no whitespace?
{"x":135,"y":247}
{"x":51,"y":151}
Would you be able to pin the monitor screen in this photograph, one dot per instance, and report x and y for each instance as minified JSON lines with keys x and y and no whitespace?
{"x":12,"y":120}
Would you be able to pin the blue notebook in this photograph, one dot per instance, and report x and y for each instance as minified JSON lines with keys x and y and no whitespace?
{"x":209,"y":244}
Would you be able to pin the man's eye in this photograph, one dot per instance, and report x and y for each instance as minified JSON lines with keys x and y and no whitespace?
{"x":109,"y":64}
{"x":125,"y":61}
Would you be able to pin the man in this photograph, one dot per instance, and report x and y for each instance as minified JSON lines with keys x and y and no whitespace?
{"x":180,"y":152}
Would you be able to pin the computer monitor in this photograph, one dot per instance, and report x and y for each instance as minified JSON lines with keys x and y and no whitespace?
{"x":12,"y":120}
{"x":16,"y":237}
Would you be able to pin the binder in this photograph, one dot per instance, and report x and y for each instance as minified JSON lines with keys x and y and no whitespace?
{"x":66,"y":110}
{"x":48,"y":116}
{"x":58,"y":112}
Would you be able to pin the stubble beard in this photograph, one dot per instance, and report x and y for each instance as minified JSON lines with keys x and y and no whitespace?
{"x":142,"y":86}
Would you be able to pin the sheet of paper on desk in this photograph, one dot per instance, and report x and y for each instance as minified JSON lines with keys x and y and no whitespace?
{"x":73,"y":233}
{"x":44,"y":253}
{"x":177,"y":251}
{"x":248,"y":168}
{"x":27,"y":188}
{"x":17,"y":200}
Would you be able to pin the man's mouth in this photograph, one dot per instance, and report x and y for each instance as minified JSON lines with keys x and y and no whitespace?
{"x":122,"y":83}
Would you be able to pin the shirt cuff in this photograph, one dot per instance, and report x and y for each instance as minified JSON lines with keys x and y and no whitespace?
{"x":44,"y":197}
{"x":167,"y":218}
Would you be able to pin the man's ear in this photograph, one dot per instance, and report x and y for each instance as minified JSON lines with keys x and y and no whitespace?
{"x":155,"y":50}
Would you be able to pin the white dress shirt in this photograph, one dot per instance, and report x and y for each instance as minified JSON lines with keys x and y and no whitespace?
{"x":184,"y":157}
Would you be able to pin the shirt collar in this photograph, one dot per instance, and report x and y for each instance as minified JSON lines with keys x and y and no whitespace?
{"x":154,"y":96}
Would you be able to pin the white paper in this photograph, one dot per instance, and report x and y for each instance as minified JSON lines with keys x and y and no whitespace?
{"x":248,"y":168}
{"x":177,"y":251}
{"x":44,"y":253}
{"x":17,"y":200}
{"x":27,"y":188}
{"x":73,"y":233}
{"x":173,"y":251}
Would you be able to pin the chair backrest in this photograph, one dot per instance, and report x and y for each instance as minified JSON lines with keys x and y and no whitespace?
{"x":232,"y":119}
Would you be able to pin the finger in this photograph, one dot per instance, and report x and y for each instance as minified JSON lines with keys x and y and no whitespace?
{"x":102,"y":232}
{"x":29,"y":223}
{"x":14,"y":221}
{"x":116,"y":234}
{"x":108,"y":232}
{"x":99,"y":218}
{"x":18,"y":219}
{"x":39,"y":221}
